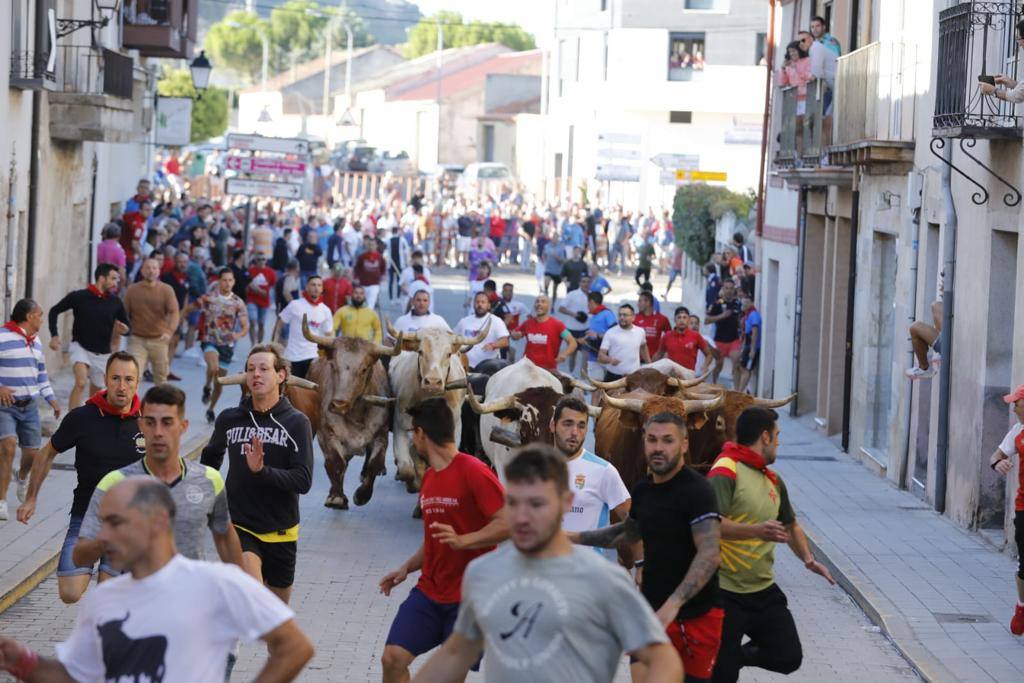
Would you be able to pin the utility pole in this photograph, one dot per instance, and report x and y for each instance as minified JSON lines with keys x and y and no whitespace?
{"x":440,"y":49}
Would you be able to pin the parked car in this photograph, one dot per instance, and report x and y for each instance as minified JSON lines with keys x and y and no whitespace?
{"x":485,"y":177}
{"x":396,"y":163}
{"x":343,"y":150}
{"x":358,"y":159}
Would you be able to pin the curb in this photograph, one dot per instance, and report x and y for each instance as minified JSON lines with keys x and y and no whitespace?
{"x":36,"y":577}
{"x":881,"y":612}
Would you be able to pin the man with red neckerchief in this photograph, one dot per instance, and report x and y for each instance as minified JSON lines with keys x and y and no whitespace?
{"x":299,"y":350}
{"x":1001,"y":462}
{"x":106,"y":437}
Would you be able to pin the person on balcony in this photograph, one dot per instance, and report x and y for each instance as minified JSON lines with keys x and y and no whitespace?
{"x":1006,"y":88}
{"x":796,"y":73}
{"x":823,"y":67}
{"x":819,"y":29}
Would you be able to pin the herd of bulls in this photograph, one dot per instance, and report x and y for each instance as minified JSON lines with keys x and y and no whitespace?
{"x":359,"y":392}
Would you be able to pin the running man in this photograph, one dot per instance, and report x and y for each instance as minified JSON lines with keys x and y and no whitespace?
{"x":1001,"y":462}
{"x":299,"y":351}
{"x":197,"y":491}
{"x":105,"y":435}
{"x":419,"y":316}
{"x":726,"y":313}
{"x":470,"y":326}
{"x":756,"y":514}
{"x":681,"y":343}
{"x":356,"y":319}
{"x":544,"y":336}
{"x":623,"y":348}
{"x":193,"y":612}
{"x":99,"y":316}
{"x":461,"y":500}
{"x":545,"y":610}
{"x":752,"y":333}
{"x":225,"y":321}
{"x":674,"y":513}
{"x":270,"y":449}
{"x":653,"y":323}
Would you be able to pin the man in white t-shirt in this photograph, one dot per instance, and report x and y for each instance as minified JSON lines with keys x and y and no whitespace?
{"x":138,"y":626}
{"x":299,"y":350}
{"x":419,"y":316}
{"x":623,"y":347}
{"x":470,"y":326}
{"x":573,"y":310}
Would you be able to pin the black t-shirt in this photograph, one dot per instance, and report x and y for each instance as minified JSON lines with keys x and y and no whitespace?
{"x":665,"y":513}
{"x":103,"y":443}
{"x":727,"y":329}
{"x":572,"y":271}
{"x":529,"y":228}
{"x":308,"y":256}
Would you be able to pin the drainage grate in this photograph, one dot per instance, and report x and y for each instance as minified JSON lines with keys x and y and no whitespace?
{"x":809,"y":458}
{"x":912,"y":507}
{"x":959,"y":618}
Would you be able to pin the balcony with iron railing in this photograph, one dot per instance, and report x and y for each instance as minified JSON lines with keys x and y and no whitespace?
{"x":802,"y":153}
{"x":876,"y":97}
{"x":29,"y":71}
{"x":95,"y":96}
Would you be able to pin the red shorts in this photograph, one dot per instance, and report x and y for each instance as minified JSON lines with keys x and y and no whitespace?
{"x":697,"y":640}
{"x":729,"y":348}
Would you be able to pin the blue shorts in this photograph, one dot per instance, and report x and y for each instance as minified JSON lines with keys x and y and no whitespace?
{"x":66,"y":567}
{"x":23,"y":423}
{"x":257,"y":315}
{"x":422,"y":624}
{"x":224,"y":352}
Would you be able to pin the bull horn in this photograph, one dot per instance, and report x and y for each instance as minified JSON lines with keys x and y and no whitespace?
{"x":457,"y":384}
{"x":634,"y":405}
{"x":382,"y":350}
{"x":773,"y":402}
{"x":594,"y":411}
{"x":229,"y":380}
{"x":317,"y":339}
{"x":473,"y":341}
{"x":492,"y":407}
{"x":382,"y":401}
{"x":685,"y":383}
{"x":505,"y":437}
{"x":392,"y":332}
{"x":301,"y":382}
{"x":582,"y":386}
{"x":607,"y":386}
{"x":704,"y":405}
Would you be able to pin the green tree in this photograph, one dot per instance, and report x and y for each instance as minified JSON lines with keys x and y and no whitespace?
{"x":457,"y":33}
{"x":209,"y":114}
{"x":237,"y":43}
{"x":696,"y":208}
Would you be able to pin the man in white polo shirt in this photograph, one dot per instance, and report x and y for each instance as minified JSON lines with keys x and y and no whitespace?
{"x":419,"y":316}
{"x":299,"y":350}
{"x":470,"y":326}
{"x":623,"y":347}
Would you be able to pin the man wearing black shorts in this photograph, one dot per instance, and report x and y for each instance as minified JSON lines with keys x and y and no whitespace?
{"x":458,"y":492}
{"x":675,"y":514}
{"x":270,"y":447}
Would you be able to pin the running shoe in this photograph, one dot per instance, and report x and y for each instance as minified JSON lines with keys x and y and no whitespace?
{"x":210,"y":417}
{"x":1016,"y":624}
{"x":22,"y":489}
{"x":3,"y":511}
{"x":934,"y":357}
{"x":917,"y":373}
{"x":147,"y":376}
{"x":172,"y":377}
{"x":206,"y":394}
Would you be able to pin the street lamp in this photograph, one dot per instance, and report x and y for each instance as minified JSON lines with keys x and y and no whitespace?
{"x":200,"y":68}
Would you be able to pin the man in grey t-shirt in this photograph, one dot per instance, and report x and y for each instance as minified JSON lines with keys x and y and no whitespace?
{"x":548,"y":611}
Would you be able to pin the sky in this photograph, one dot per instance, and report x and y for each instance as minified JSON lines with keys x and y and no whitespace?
{"x":532,"y":15}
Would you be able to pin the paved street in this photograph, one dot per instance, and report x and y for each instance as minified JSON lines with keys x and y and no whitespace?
{"x":342,"y":555}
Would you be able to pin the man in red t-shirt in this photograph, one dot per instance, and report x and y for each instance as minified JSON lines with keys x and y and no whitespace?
{"x":368,"y":271}
{"x":681,"y":343}
{"x":133,"y":232}
{"x":544,"y":336}
{"x":1001,"y":462}
{"x":653,"y":324}
{"x":262,"y":279}
{"x":461,"y":500}
{"x":337,"y":288}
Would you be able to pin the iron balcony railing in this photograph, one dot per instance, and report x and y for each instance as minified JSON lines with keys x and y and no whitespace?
{"x":976,"y":41}
{"x":788,"y":128}
{"x":85,"y":70}
{"x":28,"y":70}
{"x":814,"y":119}
{"x":876,"y":94}
{"x":800,"y":137}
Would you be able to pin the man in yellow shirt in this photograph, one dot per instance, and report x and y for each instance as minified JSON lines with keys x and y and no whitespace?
{"x":356,"y":320}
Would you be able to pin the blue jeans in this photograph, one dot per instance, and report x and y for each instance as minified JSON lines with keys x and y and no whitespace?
{"x":257,"y":315}
{"x":66,"y":567}
{"x":23,"y":423}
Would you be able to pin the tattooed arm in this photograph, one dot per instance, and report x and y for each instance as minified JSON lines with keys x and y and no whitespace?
{"x":706,"y":535}
{"x":625,"y":532}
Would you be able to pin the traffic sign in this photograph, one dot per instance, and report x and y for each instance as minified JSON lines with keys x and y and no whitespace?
{"x":259,"y":165}
{"x":263,"y":188}
{"x":687,"y":162}
{"x":624,"y":153}
{"x":260,"y":143}
{"x":629,"y":174}
{"x":619,"y":138}
{"x":701,"y":176}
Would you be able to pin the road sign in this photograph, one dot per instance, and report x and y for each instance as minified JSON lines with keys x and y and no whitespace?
{"x":619,"y":138}
{"x":263,"y":188}
{"x":701,"y":176}
{"x":260,"y":143}
{"x":258,"y":165}
{"x":624,"y":153}
{"x":687,"y":162}
{"x":668,"y":177}
{"x":629,"y":174}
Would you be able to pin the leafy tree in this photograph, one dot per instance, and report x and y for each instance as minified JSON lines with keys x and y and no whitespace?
{"x":696,"y":208}
{"x":237,"y":43}
{"x":457,"y":33}
{"x":209,"y":114}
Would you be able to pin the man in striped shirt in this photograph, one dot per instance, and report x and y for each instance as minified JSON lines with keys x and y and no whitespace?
{"x":22,"y":379}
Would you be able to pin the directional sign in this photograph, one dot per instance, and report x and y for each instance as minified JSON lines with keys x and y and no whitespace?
{"x":619,"y":138}
{"x":701,"y":176}
{"x":275,"y":166}
{"x":263,"y":188}
{"x":687,"y":162}
{"x":260,"y":143}
{"x":629,"y":174}
{"x":624,"y":153}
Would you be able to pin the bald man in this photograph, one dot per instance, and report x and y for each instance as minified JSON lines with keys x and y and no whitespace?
{"x":166,"y":617}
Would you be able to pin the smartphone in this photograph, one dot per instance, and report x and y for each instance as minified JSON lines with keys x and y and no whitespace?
{"x":991,"y":80}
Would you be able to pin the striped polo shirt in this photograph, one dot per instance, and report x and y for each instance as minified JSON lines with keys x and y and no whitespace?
{"x":23,"y":367}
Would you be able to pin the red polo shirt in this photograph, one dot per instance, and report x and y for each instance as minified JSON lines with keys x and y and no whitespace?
{"x":682,"y":347}
{"x":653,"y":325}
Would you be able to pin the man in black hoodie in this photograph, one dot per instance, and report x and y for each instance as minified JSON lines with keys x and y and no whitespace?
{"x":270,"y":452}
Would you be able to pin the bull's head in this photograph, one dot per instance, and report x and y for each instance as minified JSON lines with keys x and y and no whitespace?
{"x":648,"y":379}
{"x":435,"y":348}
{"x":679,"y":406}
{"x":350,"y":363}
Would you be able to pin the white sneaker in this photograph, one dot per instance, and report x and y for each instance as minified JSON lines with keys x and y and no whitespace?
{"x":934,"y":357}
{"x":917,"y":373}
{"x":22,"y":488}
{"x":3,"y":511}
